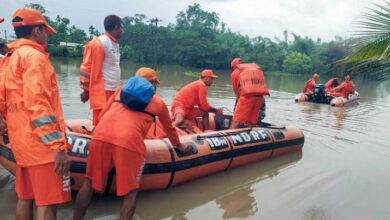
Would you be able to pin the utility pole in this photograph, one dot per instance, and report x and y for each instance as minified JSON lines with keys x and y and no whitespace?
{"x":154,"y":32}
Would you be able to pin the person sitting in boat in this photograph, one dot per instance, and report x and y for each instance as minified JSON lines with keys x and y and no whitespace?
{"x":308,"y":88}
{"x":118,"y":141}
{"x":345,"y":88}
{"x":184,"y":104}
{"x":331,"y":84}
{"x":250,"y":87}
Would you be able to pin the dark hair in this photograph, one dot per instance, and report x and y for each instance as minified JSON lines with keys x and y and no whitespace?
{"x":25,"y":31}
{"x":111,"y":22}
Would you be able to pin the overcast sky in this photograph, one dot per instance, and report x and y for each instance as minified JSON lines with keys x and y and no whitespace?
{"x":313,"y":18}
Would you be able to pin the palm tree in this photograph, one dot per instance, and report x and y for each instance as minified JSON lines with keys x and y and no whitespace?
{"x":369,"y":50}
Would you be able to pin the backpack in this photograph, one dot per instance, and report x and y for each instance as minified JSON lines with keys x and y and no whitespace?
{"x":136,"y":93}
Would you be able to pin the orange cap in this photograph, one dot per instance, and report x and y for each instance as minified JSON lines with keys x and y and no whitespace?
{"x":208,"y":73}
{"x":235,"y":62}
{"x":30,"y":17}
{"x":1,"y":20}
{"x":148,"y":73}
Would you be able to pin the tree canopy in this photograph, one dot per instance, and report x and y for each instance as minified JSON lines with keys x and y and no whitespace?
{"x":199,"y":38}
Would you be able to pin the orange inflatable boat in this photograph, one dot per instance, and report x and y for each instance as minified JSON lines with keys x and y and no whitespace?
{"x":213,"y":152}
{"x":319,"y":96}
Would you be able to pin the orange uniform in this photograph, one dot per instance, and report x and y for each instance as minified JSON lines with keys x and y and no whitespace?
{"x":308,"y":88}
{"x":30,"y":100}
{"x":247,"y":106}
{"x":234,"y":77}
{"x":33,"y":107}
{"x":191,"y":95}
{"x":100,"y":72}
{"x":344,"y":89}
{"x":331,"y":84}
{"x":119,"y":137}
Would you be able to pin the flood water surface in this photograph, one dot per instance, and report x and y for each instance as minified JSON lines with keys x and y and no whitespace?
{"x":341,"y":173}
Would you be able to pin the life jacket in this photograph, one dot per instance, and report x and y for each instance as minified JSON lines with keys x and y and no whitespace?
{"x":252,"y":80}
{"x":332,"y":83}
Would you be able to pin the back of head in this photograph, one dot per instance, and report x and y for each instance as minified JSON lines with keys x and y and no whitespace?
{"x":235,"y":62}
{"x":111,"y":22}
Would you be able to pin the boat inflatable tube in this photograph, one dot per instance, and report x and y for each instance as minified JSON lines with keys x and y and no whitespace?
{"x":212,"y":152}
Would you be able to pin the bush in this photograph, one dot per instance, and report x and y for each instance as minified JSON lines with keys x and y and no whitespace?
{"x":297,"y":63}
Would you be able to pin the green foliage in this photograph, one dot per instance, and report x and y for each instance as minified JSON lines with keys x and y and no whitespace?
{"x":297,"y":63}
{"x":370,"y":48}
{"x":200,"y":39}
{"x":65,"y":33}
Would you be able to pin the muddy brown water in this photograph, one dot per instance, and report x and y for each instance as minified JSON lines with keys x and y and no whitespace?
{"x":341,"y":173}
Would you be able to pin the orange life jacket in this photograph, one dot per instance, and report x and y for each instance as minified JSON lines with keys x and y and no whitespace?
{"x":252,"y":80}
{"x":308,"y":88}
{"x":346,"y":88}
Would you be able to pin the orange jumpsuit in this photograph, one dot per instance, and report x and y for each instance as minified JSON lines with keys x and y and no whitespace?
{"x":191,"y":95}
{"x":118,"y":141}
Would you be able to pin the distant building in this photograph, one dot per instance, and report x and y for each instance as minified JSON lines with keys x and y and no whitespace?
{"x":69,"y":44}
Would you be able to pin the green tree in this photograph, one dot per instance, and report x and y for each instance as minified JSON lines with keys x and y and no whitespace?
{"x":370,"y":48}
{"x":93,"y":32}
{"x":297,"y":63}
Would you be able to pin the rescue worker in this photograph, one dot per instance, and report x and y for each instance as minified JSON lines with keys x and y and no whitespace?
{"x":123,"y":147}
{"x":308,"y":88}
{"x":345,"y":88}
{"x":250,"y":86}
{"x":191,"y":102}
{"x":331,"y":84}
{"x":30,"y":102}
{"x":100,"y":71}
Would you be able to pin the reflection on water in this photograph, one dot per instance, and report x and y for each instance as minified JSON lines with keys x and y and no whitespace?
{"x":342,"y":172}
{"x":238,"y":204}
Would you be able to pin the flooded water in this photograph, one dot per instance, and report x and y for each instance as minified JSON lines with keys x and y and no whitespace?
{"x":341,"y":173}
